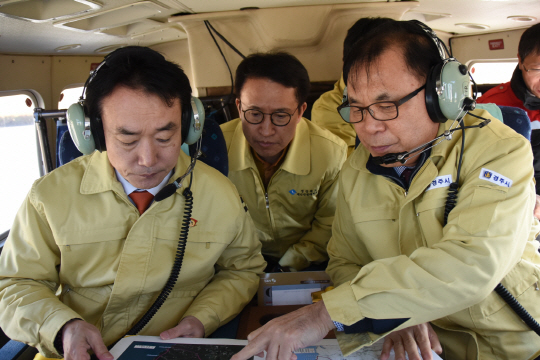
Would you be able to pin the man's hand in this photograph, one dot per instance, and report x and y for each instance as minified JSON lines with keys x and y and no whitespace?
{"x":536,"y":211}
{"x":78,"y":337}
{"x":295,"y":330}
{"x":409,"y":340}
{"x":189,"y":327}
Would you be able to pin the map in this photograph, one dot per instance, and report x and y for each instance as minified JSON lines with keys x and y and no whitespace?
{"x":332,"y":352}
{"x":153,"y":348}
{"x":167,"y":351}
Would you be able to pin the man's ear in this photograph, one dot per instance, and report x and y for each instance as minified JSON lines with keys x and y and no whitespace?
{"x":237,"y":102}
{"x":302,"y":109}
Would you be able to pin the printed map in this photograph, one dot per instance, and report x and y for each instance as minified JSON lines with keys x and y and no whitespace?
{"x":165,"y":351}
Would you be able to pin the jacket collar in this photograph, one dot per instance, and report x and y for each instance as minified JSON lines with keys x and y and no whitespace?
{"x":100,"y":176}
{"x":297,"y":161}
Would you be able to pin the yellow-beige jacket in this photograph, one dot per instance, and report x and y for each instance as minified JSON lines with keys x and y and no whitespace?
{"x":324,"y":113}
{"x":79,"y":249}
{"x":394,"y":258}
{"x":294,"y":215}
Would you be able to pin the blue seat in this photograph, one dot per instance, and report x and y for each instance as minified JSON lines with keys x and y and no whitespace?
{"x":517,"y":119}
{"x":65,"y":148}
{"x":213,"y":147}
{"x":14,"y":349}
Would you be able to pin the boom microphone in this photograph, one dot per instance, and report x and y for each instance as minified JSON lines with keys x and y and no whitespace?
{"x":402,"y":157}
{"x":167,"y":191}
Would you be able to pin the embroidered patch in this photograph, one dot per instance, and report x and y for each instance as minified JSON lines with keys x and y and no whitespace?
{"x":440,"y":181}
{"x":192,"y":222}
{"x":304,"y":192}
{"x":495,"y":178}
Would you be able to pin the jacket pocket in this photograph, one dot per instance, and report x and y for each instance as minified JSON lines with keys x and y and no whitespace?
{"x":104,"y":246}
{"x":90,"y":303}
{"x":521,"y":282}
{"x":378,"y":228}
{"x":479,"y":214}
{"x":202,"y":251}
{"x":428,"y":210}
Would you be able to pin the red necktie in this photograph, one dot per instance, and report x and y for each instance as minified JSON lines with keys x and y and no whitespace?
{"x":142,"y":200}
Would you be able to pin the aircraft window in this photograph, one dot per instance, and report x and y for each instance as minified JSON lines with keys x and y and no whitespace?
{"x":492,"y":72}
{"x":70,"y":96}
{"x":20,"y":155}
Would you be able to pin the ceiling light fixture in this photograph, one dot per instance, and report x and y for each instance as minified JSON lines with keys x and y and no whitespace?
{"x":473,"y":26}
{"x":67,"y":47}
{"x":521,"y":18}
{"x":109,"y":48}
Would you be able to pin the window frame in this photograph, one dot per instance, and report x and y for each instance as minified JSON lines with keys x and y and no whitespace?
{"x":37,"y":100}
{"x":473,"y":62}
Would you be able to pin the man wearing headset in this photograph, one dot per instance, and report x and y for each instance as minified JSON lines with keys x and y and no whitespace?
{"x":523,"y":90}
{"x":284,"y":167}
{"x":397,"y":261}
{"x":85,"y":258}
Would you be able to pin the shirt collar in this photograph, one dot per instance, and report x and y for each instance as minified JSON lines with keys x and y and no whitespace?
{"x":128,"y":188}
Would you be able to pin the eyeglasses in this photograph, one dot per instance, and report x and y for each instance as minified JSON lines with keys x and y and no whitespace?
{"x":531,"y":72}
{"x":278,"y":118}
{"x":381,"y":110}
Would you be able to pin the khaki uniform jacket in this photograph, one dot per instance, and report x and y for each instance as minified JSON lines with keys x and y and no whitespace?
{"x":394,"y":258}
{"x":294,"y":216}
{"x":80,"y":249}
{"x":324,"y":113}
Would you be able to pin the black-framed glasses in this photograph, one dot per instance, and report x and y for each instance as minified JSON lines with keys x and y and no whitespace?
{"x":381,"y":110}
{"x":278,"y":118}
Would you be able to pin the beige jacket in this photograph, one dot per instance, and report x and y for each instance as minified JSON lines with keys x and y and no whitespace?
{"x":80,"y":249}
{"x":294,"y":216}
{"x":394,"y":258}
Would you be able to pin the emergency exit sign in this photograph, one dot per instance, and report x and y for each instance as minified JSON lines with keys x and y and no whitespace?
{"x":496,"y":44}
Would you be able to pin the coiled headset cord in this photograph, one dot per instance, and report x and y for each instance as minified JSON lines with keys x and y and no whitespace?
{"x":177,"y":265}
{"x":499,"y":289}
{"x":175,"y":271}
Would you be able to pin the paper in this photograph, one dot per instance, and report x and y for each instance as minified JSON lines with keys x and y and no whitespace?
{"x":293,"y":294}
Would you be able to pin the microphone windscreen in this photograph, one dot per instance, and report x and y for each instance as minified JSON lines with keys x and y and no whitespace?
{"x":165,"y":192}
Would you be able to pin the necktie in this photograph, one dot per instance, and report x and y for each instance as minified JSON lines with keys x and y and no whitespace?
{"x":142,"y":200}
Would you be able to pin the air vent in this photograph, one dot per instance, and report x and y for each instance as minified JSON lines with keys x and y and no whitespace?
{"x":42,"y":10}
{"x":161,"y":35}
{"x":115,"y":17}
{"x":473,"y":26}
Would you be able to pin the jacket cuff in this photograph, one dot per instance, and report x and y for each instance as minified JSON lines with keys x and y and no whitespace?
{"x":293,"y":260}
{"x":51,"y":328}
{"x":208,"y":317}
{"x":342,"y":305}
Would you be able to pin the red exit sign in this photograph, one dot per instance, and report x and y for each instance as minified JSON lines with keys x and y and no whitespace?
{"x":496,"y":44}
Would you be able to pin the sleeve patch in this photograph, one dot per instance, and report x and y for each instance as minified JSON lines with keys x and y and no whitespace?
{"x":495,"y":178}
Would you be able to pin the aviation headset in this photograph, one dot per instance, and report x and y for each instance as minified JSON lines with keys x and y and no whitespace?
{"x":87,"y":130}
{"x":448,"y":85}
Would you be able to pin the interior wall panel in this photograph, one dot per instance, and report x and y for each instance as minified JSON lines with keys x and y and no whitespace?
{"x":475,"y":47}
{"x":318,"y":44}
